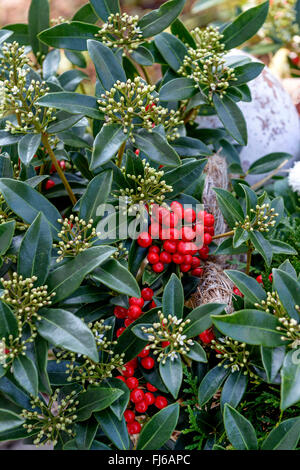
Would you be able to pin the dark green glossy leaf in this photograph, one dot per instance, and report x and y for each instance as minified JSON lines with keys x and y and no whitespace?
{"x":173,"y":297}
{"x":252,"y":290}
{"x":38,"y":20}
{"x":85,"y":434}
{"x":8,"y":322}
{"x":6,"y":235}
{"x":158,"y":20}
{"x":234,"y":389}
{"x":288,"y":290}
{"x":107,"y":66}
{"x":115,"y":276}
{"x":107,"y":144}
{"x":96,"y":194}
{"x":86,"y":14}
{"x":113,"y":428}
{"x":9,"y":420}
{"x":290,"y":379}
{"x":171,"y":374}
{"x":27,"y":147}
{"x":26,"y":374}
{"x":118,"y":406}
{"x":239,"y":430}
{"x":73,"y":103}
{"x":156,"y":148}
{"x":272,"y":359}
{"x":247,"y":72}
{"x":262,"y":245}
{"x":95,"y":399}
{"x":72,"y":36}
{"x":159,"y":428}
{"x":104,"y":8}
{"x":211,"y":383}
{"x":232,"y":118}
{"x":283,"y":437}
{"x":200,"y":318}
{"x":268,"y":163}
{"x":178,"y":89}
{"x":230,"y":207}
{"x":172,"y":50}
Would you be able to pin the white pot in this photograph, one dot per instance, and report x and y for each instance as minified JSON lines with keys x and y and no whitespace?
{"x":272,"y":120}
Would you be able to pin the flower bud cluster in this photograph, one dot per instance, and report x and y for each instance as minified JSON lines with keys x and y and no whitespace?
{"x":75,"y":236}
{"x":233,"y":355}
{"x":131,"y":105}
{"x":121,"y":252}
{"x":166,"y":337}
{"x":146,"y":188}
{"x":272,"y":304}
{"x":13,"y":347}
{"x":291,"y":330}
{"x":281,"y":23}
{"x":51,"y":419}
{"x":25,"y":299}
{"x":262,"y":220}
{"x":20,"y":97}
{"x":121,"y":30}
{"x":82,"y":369}
{"x":206,"y":64}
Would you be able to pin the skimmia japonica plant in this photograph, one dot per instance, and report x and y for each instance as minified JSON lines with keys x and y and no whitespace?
{"x":104,"y":238}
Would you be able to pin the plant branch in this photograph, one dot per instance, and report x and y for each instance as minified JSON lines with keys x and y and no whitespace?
{"x":120,"y":154}
{"x":61,"y":174}
{"x":223,"y":235}
{"x":270,"y":176}
{"x":249,"y":258}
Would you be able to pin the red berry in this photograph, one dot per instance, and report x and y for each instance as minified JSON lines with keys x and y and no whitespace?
{"x":153,"y":258}
{"x":174,"y":234}
{"x":137,"y":152}
{"x":161,"y":402}
{"x":149,"y":398}
{"x":182,"y":248}
{"x":177,"y":258}
{"x":154,"y":230}
{"x":191,"y":248}
{"x":153,"y":304}
{"x":207,"y":336}
{"x":189,"y":215}
{"x":144,"y":240}
{"x":148,"y":363}
{"x":188,"y":234}
{"x":207,"y":238}
{"x":129,"y":371}
{"x":132,"y":383}
{"x":209,"y":220}
{"x":203,"y":252}
{"x":162,"y":214}
{"x":134,"y":312}
{"x":259,"y":279}
{"x":195,"y":262}
{"x":158,"y":267}
{"x":62,"y":164}
{"x":154,"y":249}
{"x":120,"y":312}
{"x":129,"y":416}
{"x":49,"y":184}
{"x":147,"y":293}
{"x":139,"y":301}
{"x":236,"y":291}
{"x":165,"y":344}
{"x":199,"y":230}
{"x":127,"y":322}
{"x":198,"y":272}
{"x":151,"y":387}
{"x":165,"y":257}
{"x":188,"y":259}
{"x":137,"y":395}
{"x":200,"y":216}
{"x":170,"y":246}
{"x":120,"y":331}
{"x":134,"y":428}
{"x":271,"y":277}
{"x":185,"y":268}
{"x":144,"y":353}
{"x":210,"y":230}
{"x":133,"y":363}
{"x":141,"y":406}
{"x":177,"y":209}
{"x":120,"y":377}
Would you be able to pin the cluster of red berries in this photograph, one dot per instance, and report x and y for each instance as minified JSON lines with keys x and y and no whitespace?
{"x":129,"y":315}
{"x":178,"y":231}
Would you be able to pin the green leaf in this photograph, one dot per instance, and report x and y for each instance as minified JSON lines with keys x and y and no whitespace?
{"x":245,"y":26}
{"x":6,"y":138}
{"x":200,"y":318}
{"x":143,"y":56}
{"x":115,"y":276}
{"x":190,"y":147}
{"x":38,"y":20}
{"x":74,"y":103}
{"x":283,"y":437}
{"x":230,"y":207}
{"x":183,"y":176}
{"x":67,"y":278}
{"x":159,"y":428}
{"x":51,"y":64}
{"x":20,"y":33}
{"x":251,"y":327}
{"x":118,"y":406}
{"x":107,"y":144}
{"x":6,"y":235}
{"x":4,"y":34}
{"x":35,"y":250}
{"x":181,"y":32}
{"x":290,"y":380}
{"x":251,"y":199}
{"x":249,"y":286}
{"x":196,"y":353}
{"x":211,"y":383}
{"x":268,"y":163}
{"x":158,"y":20}
{"x":26,"y":202}
{"x":27,"y":147}
{"x":279,"y":247}
{"x":9,"y":420}
{"x":247,"y":72}
{"x":97,"y":193}
{"x":104,"y":8}
{"x":231,"y":117}
{"x":234,"y":389}
{"x":272,"y":359}
{"x":70,"y":79}
{"x":288,"y":290}
{"x":72,"y":36}
{"x":239,"y":430}
{"x":85,"y":434}
{"x":8,"y":322}
{"x":171,"y":374}
{"x":156,"y":148}
{"x":173,"y":297}
{"x":288,"y":268}
{"x":114,"y":429}
{"x":95,"y":399}
{"x":172,"y":50}
{"x":262,"y":245}
{"x":26,"y":374}
{"x":107,"y":66}
{"x":64,"y":329}
{"x":86,"y":14}
{"x":63,"y":122}
{"x":177,"y":89}
{"x":41,"y":354}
